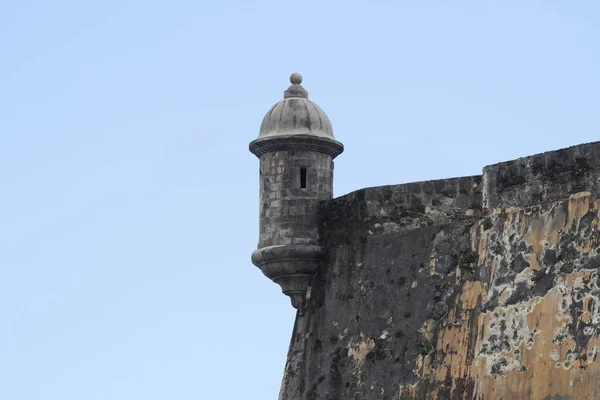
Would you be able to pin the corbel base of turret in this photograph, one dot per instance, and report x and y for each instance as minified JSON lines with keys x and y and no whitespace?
{"x":292,"y":267}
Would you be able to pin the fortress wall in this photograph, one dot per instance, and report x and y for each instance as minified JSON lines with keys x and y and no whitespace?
{"x":421,"y":297}
{"x":386,"y":209}
{"x":542,"y":178}
{"x":359,"y":337}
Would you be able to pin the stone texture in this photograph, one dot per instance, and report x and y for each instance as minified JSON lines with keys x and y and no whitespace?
{"x":288,"y":213}
{"x":471,"y":288}
{"x":542,"y":178}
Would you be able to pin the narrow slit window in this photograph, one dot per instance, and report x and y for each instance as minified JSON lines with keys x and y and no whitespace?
{"x":303,"y":178}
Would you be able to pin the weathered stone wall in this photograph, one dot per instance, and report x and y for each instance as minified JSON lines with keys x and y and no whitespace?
{"x":387,"y":209}
{"x":542,"y":178}
{"x":422,"y":296}
{"x":288,"y":213}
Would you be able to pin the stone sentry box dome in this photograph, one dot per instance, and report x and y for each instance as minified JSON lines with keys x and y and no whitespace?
{"x":296,"y":148}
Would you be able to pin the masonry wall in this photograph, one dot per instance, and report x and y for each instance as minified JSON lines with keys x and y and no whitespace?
{"x":427,"y":294}
{"x":542,"y":178}
{"x":288,"y":213}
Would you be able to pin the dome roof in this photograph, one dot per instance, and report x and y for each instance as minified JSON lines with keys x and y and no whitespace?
{"x":296,"y":115}
{"x":296,"y":123}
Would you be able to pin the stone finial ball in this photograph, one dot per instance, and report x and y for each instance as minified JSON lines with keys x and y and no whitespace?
{"x":296,"y":78}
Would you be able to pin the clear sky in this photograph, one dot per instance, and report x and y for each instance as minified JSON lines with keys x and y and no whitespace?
{"x":129,"y":199}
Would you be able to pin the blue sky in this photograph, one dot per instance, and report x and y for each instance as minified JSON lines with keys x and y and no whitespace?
{"x":130,"y":199}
